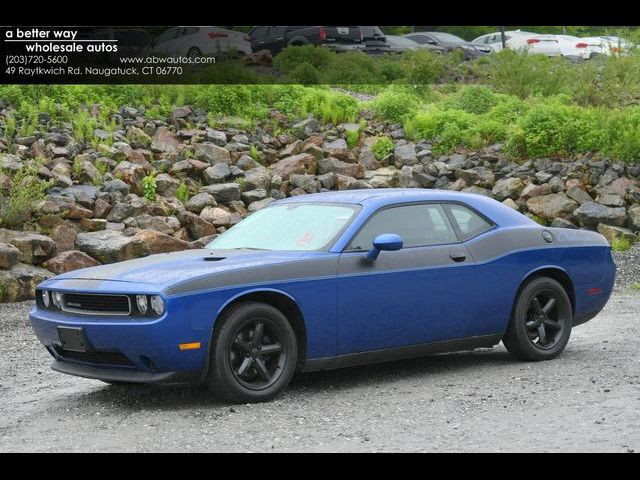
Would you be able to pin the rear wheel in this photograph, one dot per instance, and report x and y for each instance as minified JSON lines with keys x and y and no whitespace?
{"x":541,"y":323}
{"x":254,"y":354}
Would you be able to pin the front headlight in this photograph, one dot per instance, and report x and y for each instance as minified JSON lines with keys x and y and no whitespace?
{"x":46,"y":299}
{"x":57,"y":299}
{"x":142,"y":304}
{"x":157,"y":304}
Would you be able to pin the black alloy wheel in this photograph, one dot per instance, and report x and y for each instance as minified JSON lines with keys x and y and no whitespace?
{"x":253,"y":355}
{"x":541,"y":322}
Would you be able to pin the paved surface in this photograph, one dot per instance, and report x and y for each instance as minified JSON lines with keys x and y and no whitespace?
{"x":588,"y":399}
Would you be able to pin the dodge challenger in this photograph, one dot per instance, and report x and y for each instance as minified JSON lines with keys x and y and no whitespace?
{"x":325,"y":281}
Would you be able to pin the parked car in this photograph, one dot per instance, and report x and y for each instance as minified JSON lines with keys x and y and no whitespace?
{"x":275,"y":39}
{"x":325,"y":281}
{"x":398,"y":44}
{"x":200,"y":41}
{"x":580,"y":48}
{"x":612,"y":45}
{"x":516,"y":39}
{"x":449,"y":42}
{"x":375,"y":41}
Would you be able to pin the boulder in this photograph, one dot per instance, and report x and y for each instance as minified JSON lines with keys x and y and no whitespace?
{"x":199,"y":201}
{"x":579,"y":195}
{"x":257,"y":178}
{"x":301,"y":163}
{"x":223,"y":192}
{"x":196,"y":226}
{"x":9,"y":255}
{"x":611,"y":233}
{"x":218,"y":173}
{"x":338,"y":149}
{"x":611,"y":200}
{"x":255,"y":206}
{"x":634,"y":217}
{"x":64,"y":235}
{"x":158,"y":242}
{"x":211,"y":153}
{"x":131,"y":174}
{"x":110,"y":246}
{"x":333,"y":165}
{"x":167,"y":185}
{"x":34,"y":248}
{"x":562,"y":223}
{"x":19,"y":282}
{"x":552,"y":206}
{"x":164,"y":141}
{"x":507,"y":188}
{"x":68,"y":261}
{"x":533,"y":190}
{"x":405,"y":155}
{"x":590,"y":214}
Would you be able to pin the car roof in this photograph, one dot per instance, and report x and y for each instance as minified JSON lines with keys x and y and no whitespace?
{"x":375,"y":198}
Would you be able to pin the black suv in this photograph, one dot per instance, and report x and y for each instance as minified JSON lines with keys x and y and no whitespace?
{"x":275,"y":39}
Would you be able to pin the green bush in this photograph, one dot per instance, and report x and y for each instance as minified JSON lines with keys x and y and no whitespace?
{"x":394,"y":104}
{"x":305,"y":73}
{"x":446,"y":128}
{"x":330,"y":106}
{"x":423,"y":67}
{"x":382,"y":147}
{"x":292,"y":57}
{"x":472,"y":99}
{"x":523,"y":74}
{"x":149,"y":186}
{"x":182,"y":193}
{"x":351,"y":67}
{"x":25,"y":189}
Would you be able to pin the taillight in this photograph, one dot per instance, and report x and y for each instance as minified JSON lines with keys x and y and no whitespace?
{"x":531,"y":41}
{"x":213,"y":35}
{"x":615,"y":49}
{"x":581,"y":45}
{"x":323,"y":34}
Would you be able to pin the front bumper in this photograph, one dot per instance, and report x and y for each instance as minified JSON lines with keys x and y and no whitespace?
{"x":123,"y":349}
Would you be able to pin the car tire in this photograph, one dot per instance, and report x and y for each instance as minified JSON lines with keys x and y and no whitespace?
{"x":194,"y":52}
{"x":541,"y":321}
{"x":240,"y":370}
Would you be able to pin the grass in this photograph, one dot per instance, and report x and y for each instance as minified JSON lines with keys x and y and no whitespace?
{"x":620,"y":244}
{"x":635,"y":287}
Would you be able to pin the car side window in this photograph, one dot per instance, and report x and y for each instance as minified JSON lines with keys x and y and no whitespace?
{"x":418,"y":225}
{"x":469,"y":223}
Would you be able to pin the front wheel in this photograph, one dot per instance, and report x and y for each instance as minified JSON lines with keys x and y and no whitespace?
{"x":253,"y":354}
{"x":541,"y":323}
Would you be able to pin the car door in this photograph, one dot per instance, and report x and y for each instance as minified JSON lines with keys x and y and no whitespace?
{"x":412,"y":296}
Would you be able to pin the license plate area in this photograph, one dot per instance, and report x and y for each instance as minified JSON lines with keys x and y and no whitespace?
{"x":73,"y":339}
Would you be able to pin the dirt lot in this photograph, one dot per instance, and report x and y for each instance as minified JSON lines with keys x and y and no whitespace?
{"x":588,"y":399}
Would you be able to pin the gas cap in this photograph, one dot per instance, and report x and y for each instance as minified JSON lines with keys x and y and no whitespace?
{"x":548,"y":237}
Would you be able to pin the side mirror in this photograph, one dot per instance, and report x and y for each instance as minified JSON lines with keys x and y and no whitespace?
{"x":387,"y":241}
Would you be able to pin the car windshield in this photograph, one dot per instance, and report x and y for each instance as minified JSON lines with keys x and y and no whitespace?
{"x":400,"y":41}
{"x":292,"y":226}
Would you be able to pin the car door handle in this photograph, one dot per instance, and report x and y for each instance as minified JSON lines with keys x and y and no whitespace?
{"x":458,"y":256}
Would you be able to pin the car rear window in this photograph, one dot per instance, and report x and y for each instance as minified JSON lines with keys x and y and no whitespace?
{"x":469,"y":223}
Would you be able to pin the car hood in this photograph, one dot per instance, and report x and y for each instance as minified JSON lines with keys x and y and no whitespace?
{"x":170,"y":268}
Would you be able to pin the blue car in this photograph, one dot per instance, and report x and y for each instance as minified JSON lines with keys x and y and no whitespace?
{"x":326,"y":281}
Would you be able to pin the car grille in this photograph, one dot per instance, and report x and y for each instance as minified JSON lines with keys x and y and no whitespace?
{"x":95,"y":357}
{"x":96,"y":304}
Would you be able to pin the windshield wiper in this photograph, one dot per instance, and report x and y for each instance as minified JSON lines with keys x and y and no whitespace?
{"x":251,"y":248}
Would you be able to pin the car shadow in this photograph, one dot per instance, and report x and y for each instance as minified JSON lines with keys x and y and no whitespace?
{"x":435,"y":368}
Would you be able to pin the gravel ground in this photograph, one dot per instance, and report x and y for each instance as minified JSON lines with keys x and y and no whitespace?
{"x":588,"y":399}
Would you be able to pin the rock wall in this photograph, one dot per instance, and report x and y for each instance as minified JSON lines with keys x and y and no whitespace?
{"x":91,"y":216}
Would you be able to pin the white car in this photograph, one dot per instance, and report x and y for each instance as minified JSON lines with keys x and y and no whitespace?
{"x":612,"y":45}
{"x":516,"y":39}
{"x":579,"y":47}
{"x":200,"y":41}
